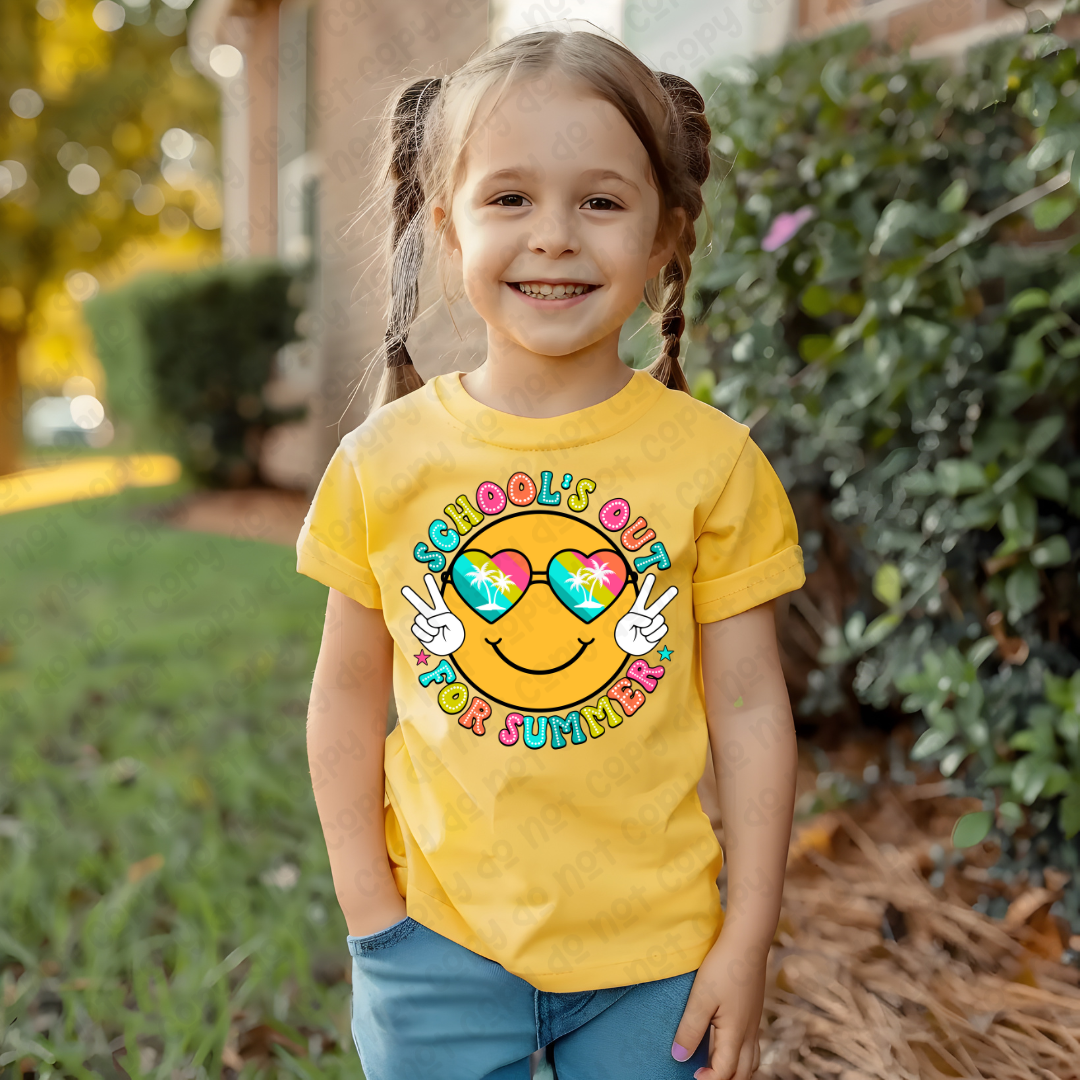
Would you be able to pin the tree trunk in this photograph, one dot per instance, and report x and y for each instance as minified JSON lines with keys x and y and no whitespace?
{"x":10,"y":403}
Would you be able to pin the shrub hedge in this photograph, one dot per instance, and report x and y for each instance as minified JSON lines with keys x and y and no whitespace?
{"x":187,"y":357}
{"x":892,"y":301}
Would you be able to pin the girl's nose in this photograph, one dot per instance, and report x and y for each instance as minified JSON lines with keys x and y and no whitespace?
{"x":554,"y":235}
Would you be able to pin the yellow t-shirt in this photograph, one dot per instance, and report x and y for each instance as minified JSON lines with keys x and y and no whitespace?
{"x":541,"y":800}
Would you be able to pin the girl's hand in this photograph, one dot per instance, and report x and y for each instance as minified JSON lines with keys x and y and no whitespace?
{"x":368,"y":919}
{"x":435,"y":626}
{"x":638,"y":631}
{"x":727,"y":997}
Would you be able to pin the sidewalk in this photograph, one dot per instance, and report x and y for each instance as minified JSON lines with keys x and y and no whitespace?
{"x":84,"y":478}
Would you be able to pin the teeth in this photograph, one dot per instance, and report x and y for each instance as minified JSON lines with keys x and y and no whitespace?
{"x":550,"y":292}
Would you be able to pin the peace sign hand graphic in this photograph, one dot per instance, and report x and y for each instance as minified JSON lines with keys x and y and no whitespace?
{"x":435,"y":626}
{"x":638,"y":631}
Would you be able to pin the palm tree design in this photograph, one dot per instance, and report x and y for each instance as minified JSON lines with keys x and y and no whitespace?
{"x":589,"y":576}
{"x":490,"y":577}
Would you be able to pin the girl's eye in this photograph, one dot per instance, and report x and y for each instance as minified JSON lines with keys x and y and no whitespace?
{"x":520,"y":200}
{"x":608,"y":204}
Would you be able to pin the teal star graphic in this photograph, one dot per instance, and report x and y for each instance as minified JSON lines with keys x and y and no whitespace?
{"x":665,"y":653}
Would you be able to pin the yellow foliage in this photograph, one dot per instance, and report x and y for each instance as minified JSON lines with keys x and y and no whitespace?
{"x":12,"y":308}
{"x":70,"y":46}
{"x":128,"y":138}
{"x":59,"y":343}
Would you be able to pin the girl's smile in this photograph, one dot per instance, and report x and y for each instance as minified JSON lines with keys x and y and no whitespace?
{"x":552,"y":296}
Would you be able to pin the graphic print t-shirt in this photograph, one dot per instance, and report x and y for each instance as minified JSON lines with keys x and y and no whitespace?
{"x":541,"y":802}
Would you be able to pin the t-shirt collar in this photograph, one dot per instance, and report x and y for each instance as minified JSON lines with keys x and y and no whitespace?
{"x":592,"y":424}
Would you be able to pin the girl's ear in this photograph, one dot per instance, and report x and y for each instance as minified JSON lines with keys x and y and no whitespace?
{"x":447,"y":236}
{"x":667,"y":236}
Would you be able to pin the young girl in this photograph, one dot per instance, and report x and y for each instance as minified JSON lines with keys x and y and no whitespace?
{"x":566,"y":568}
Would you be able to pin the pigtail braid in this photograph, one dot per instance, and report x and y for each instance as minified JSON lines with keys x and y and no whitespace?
{"x":409,"y":116}
{"x":666,"y":366}
{"x":689,"y":136}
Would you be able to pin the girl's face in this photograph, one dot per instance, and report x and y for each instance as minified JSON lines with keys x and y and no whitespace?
{"x":556,"y":221}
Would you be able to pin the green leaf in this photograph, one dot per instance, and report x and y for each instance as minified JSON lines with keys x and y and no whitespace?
{"x":895,"y":218}
{"x":1068,"y":727}
{"x":1043,"y":434}
{"x":1050,"y":481}
{"x":981,"y":650}
{"x":1053,"y":551}
{"x":951,"y":760}
{"x":834,"y":78}
{"x":816,"y":300}
{"x":1036,"y":101}
{"x":853,"y":629}
{"x":1040,"y":45}
{"x":972,"y":829}
{"x":1012,"y":815}
{"x":898,"y":461}
{"x":887,"y":583}
{"x":1025,"y":740}
{"x":880,"y":629}
{"x":1028,"y":299}
{"x":1018,"y":520}
{"x":920,"y":482}
{"x":1058,"y":690}
{"x":954,"y":197}
{"x":703,"y":385}
{"x":960,"y":476}
{"x":1066,"y":293}
{"x":1029,"y":775}
{"x":1051,"y":210}
{"x":1022,"y":589}
{"x":813,"y":346}
{"x":1027,"y":353}
{"x":1069,"y":813}
{"x":929,"y":743}
{"x":997,"y":774}
{"x":1058,"y":781}
{"x":978,"y":512}
{"x":1049,"y":150}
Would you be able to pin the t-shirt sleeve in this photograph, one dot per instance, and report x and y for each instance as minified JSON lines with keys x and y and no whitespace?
{"x":748,"y":549}
{"x":332,"y":547}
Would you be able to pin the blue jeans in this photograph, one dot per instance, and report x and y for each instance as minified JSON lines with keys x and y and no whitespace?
{"x":424,"y":1006}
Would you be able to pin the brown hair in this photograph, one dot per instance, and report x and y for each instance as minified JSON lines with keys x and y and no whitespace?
{"x":422,"y":150}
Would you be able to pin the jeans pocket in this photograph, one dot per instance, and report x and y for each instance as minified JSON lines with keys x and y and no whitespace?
{"x":382,"y":939}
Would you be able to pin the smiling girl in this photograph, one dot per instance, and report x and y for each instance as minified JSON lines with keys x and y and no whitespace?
{"x":564,"y":570}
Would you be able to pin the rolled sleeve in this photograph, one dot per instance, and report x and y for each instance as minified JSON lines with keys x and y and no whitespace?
{"x":332,"y":547}
{"x":748,"y":549}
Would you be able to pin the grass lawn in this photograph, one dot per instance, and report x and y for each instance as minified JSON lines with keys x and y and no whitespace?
{"x":164,"y":885}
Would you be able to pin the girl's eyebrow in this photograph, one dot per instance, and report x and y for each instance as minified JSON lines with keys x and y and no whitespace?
{"x":609,"y":174}
{"x":591,"y":175}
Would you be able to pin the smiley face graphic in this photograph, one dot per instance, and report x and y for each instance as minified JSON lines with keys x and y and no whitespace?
{"x":540,"y":611}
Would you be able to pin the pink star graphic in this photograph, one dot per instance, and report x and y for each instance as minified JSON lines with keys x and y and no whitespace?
{"x":421,"y":657}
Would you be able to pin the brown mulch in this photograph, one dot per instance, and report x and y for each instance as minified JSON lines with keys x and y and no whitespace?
{"x":268,"y":514}
{"x":875,"y":975}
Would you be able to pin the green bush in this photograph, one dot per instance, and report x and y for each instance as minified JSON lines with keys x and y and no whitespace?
{"x":187,"y":357}
{"x":891,"y":300}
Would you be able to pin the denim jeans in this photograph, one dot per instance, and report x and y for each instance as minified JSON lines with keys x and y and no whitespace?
{"x":424,"y":1006}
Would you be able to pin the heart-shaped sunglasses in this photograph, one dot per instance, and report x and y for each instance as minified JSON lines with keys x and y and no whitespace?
{"x":585,"y":584}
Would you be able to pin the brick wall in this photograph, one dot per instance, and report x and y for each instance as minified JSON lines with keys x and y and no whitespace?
{"x":924,"y":26}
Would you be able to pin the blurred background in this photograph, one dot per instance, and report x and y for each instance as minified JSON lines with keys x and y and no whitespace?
{"x":886,"y":290}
